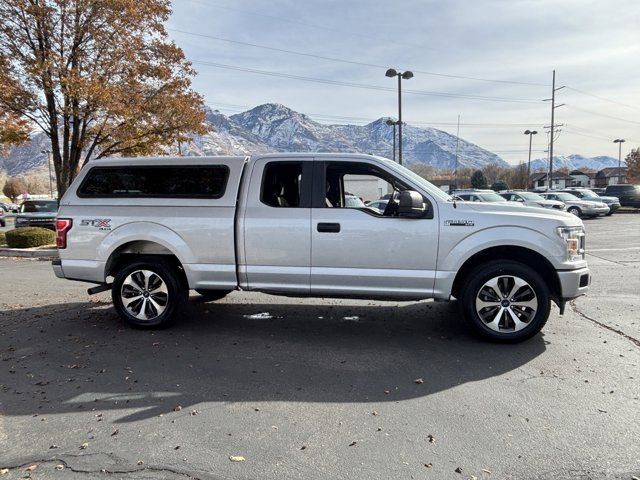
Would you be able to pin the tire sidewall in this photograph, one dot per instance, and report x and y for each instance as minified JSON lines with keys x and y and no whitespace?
{"x":485,"y":272}
{"x":574,"y":209}
{"x":177,"y":293}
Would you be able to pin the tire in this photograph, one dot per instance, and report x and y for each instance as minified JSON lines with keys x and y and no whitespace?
{"x":609,"y":214}
{"x":161,"y":299}
{"x":575,"y":211}
{"x":531,"y":307}
{"x":213,"y":295}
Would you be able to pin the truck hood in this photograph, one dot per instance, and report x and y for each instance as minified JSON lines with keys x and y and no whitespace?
{"x":521,"y":215}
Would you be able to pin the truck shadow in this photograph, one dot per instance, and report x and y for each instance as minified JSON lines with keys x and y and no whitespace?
{"x":80,"y":357}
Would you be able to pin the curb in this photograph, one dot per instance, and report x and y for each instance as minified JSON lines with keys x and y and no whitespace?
{"x":44,"y":254}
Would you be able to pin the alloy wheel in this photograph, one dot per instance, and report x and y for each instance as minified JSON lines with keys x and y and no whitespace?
{"x":506,"y":304}
{"x":144,"y":294}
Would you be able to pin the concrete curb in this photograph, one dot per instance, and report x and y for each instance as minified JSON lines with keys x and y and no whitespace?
{"x":44,"y":254}
{"x":631,"y":211}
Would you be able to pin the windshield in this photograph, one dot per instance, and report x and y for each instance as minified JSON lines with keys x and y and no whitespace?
{"x":421,"y":182}
{"x":491,"y":197}
{"x":587,"y":194}
{"x":39,"y":207}
{"x":567,"y":197}
{"x":530,"y":196}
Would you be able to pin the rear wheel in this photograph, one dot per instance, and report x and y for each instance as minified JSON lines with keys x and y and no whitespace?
{"x":505,"y":301}
{"x":213,"y":295}
{"x":149,"y":293}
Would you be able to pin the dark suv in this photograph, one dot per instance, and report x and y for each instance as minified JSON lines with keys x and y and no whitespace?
{"x":37,"y":213}
{"x":629,"y":195}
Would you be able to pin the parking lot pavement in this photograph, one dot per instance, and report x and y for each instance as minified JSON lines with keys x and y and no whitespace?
{"x":320,"y":388}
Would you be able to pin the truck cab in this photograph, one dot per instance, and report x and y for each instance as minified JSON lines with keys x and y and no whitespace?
{"x":150,"y":229}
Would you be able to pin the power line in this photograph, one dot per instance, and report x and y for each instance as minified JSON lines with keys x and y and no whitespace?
{"x":591,"y":112}
{"x":242,"y":108}
{"x":603,"y":98}
{"x":365,"y":86}
{"x":352,"y":62}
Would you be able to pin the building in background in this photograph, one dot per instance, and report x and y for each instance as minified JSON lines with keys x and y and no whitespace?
{"x":583,"y":179}
{"x":611,"y":176}
{"x":541,"y":180}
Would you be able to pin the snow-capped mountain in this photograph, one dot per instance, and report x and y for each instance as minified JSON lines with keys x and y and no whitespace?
{"x":276,"y":128}
{"x":576,"y":162}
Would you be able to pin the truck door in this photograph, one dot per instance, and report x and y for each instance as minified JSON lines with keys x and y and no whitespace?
{"x":276,"y":226}
{"x":359,"y":250}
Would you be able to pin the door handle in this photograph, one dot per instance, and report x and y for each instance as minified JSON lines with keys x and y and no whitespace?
{"x":329,"y":227}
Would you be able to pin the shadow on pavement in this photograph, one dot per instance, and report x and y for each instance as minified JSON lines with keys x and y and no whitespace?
{"x":80,"y":357}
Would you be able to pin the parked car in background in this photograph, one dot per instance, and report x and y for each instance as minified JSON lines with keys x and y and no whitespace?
{"x":3,"y":222}
{"x":379,"y":205}
{"x":9,"y":207}
{"x":531,"y":199}
{"x":629,"y":195}
{"x":37,"y":213}
{"x":577,"y":206}
{"x":477,"y":195}
{"x":589,"y":195}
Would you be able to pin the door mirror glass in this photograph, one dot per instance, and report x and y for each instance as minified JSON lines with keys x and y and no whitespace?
{"x":411,"y":204}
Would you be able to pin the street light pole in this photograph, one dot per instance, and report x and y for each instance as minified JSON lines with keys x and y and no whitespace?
{"x":619,"y":141}
{"x":394,"y":123}
{"x":48,"y":153}
{"x":531,"y":133}
{"x":406,"y":76}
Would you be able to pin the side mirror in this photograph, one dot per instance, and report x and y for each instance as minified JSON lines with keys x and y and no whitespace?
{"x":411,"y":204}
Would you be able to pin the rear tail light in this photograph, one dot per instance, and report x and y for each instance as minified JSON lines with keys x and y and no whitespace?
{"x":63,"y":225}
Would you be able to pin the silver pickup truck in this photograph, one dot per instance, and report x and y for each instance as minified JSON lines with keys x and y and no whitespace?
{"x":150,"y":229}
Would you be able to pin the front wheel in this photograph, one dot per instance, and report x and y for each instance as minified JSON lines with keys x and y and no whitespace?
{"x":149,"y":293}
{"x":574,"y":211}
{"x":505,"y":301}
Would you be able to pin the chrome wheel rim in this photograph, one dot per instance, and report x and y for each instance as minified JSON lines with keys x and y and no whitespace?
{"x":144,"y":295}
{"x":506,"y":304}
{"x":574,"y":211}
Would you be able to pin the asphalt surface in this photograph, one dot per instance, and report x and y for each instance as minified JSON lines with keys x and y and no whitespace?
{"x":314,"y":392}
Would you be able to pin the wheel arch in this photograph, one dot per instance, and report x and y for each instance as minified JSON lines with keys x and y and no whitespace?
{"x":520,"y":254}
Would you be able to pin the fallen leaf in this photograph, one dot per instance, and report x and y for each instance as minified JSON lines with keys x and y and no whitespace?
{"x":60,"y":467}
{"x":193,"y":412}
{"x":458,"y":470}
{"x":352,"y":444}
{"x":140,"y":462}
{"x":176,"y":447}
{"x":486,"y":471}
{"x":4,"y":471}
{"x":374,"y":413}
{"x":53,"y":446}
{"x":431,"y":438}
{"x":418,"y":380}
{"x":303,"y":447}
{"x":155,"y":344}
{"x":177,"y":408}
{"x":428,"y":465}
{"x":115,"y":432}
{"x":237,"y":458}
{"x":84,"y":446}
{"x":601,"y":410}
{"x":386,"y":392}
{"x":31,"y":468}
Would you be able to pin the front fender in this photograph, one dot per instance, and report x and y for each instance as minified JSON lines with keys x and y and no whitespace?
{"x":145,"y":231}
{"x":453,"y":257}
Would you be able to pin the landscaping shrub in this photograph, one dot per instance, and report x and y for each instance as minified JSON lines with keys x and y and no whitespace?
{"x":3,"y":240}
{"x":30,"y":237}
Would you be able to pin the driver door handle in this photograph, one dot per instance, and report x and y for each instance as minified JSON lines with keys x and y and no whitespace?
{"x":329,"y":227}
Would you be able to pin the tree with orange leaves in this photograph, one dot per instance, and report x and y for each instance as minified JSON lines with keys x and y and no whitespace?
{"x":98,"y":77}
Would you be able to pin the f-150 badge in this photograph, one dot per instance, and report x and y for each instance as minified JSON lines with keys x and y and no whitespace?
{"x":459,"y":223}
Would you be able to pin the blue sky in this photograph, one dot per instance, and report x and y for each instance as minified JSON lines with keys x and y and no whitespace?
{"x":593,"y":45}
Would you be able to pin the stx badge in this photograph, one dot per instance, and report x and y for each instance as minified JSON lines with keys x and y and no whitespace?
{"x":459,"y":223}
{"x":99,"y":223}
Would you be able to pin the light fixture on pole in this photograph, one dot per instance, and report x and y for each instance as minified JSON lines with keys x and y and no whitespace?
{"x":406,"y":75}
{"x":48,"y":154}
{"x":391,"y":122}
{"x":531,"y":133}
{"x":619,"y":141}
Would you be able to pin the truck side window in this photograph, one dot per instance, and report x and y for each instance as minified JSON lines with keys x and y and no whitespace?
{"x":281,"y":184}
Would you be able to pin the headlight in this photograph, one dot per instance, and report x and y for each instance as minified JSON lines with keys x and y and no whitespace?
{"x":574,"y":238}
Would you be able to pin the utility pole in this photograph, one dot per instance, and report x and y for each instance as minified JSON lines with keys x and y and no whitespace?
{"x":455,"y":174}
{"x":619,"y":141}
{"x":553,"y":109}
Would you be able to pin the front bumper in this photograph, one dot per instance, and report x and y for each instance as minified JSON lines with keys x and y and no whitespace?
{"x":596,"y":211}
{"x":613,"y":207}
{"x":574,"y":283}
